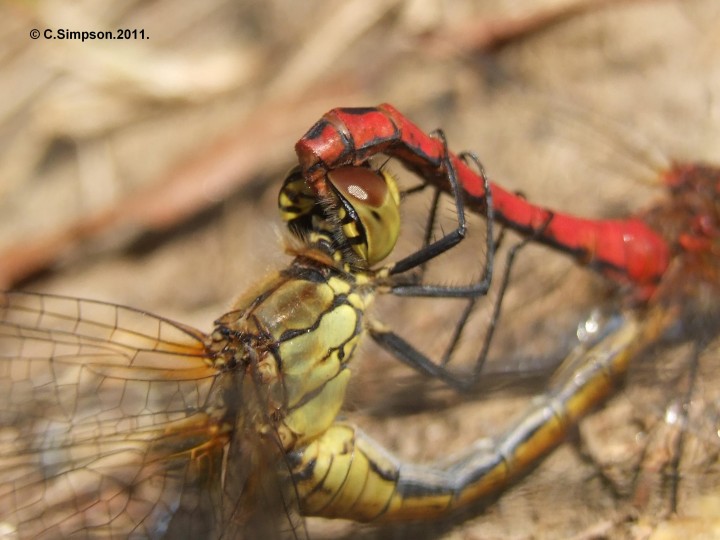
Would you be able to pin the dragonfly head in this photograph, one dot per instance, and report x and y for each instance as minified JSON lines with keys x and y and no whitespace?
{"x":362,"y":211}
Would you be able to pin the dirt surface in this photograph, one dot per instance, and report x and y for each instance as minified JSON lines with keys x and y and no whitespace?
{"x":145,"y":172}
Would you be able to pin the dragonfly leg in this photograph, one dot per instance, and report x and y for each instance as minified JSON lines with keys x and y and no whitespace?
{"x":407,"y":353}
{"x":431,"y":250}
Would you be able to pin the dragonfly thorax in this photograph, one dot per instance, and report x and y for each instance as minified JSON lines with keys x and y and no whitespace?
{"x":291,"y":339}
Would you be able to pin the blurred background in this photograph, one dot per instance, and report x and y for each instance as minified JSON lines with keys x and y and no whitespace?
{"x":145,"y":172}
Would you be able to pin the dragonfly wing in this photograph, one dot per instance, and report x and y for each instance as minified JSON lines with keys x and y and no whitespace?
{"x":677,"y":383}
{"x":259,"y":497}
{"x":113,"y":424}
{"x":103,"y":422}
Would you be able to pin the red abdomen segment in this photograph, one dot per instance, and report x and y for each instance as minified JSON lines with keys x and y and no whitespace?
{"x":628,"y":250}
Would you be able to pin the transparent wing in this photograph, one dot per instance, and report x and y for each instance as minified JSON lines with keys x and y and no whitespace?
{"x":105,"y":425}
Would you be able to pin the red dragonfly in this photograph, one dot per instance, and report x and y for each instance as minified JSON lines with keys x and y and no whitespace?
{"x":626,"y":250}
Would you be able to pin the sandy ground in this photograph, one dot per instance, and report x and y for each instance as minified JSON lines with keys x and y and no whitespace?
{"x":178,"y":142}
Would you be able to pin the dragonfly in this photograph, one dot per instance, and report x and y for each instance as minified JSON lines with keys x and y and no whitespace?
{"x":665,"y":260}
{"x":117,"y":422}
{"x":628,"y":250}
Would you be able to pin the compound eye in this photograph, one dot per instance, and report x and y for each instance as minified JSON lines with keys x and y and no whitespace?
{"x":370,"y":210}
{"x":297,"y":204}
